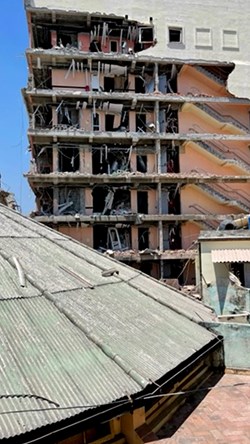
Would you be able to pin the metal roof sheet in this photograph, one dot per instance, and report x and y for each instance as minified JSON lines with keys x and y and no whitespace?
{"x":73,"y":337}
{"x":229,"y":255}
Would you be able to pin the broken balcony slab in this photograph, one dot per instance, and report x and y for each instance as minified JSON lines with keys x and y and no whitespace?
{"x":37,"y":94}
{"x":184,"y":178}
{"x":68,"y":132}
{"x":135,"y":256}
{"x":124,"y":218}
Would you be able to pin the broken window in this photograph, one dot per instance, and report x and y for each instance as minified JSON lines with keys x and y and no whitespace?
{"x":170,"y":159}
{"x":113,"y":44}
{"x":41,"y":37}
{"x":68,"y":115}
{"x":139,"y":85}
{"x":95,"y":81}
{"x":69,"y":201}
{"x":141,"y":163}
{"x":107,"y":200}
{"x":42,"y":116}
{"x":109,"y":84}
{"x":174,"y":237}
{"x":109,"y":122}
{"x":112,"y":238}
{"x":238,"y":268}
{"x":96,"y":122}
{"x":95,"y":46}
{"x":44,"y":160}
{"x":44,"y":201}
{"x":67,"y":39}
{"x":115,"y":83}
{"x":108,"y":160}
{"x":175,"y":35}
{"x":143,"y":238}
{"x":171,"y":121}
{"x":174,"y":200}
{"x":173,"y":270}
{"x":118,"y":239}
{"x":146,"y":34}
{"x":141,"y":122}
{"x":146,"y":267}
{"x":68,"y":159}
{"x":142,"y":202}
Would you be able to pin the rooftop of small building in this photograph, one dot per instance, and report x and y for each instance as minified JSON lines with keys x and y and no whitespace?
{"x":80,"y":330}
{"x":224,"y":234}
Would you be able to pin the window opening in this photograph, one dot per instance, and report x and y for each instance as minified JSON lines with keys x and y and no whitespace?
{"x":139,"y":85}
{"x":141,"y":122}
{"x":96,"y":123}
{"x":237,"y":268}
{"x":143,"y":238}
{"x":109,"y":84}
{"x":68,"y":116}
{"x":142,"y":202}
{"x":113,"y":46}
{"x":146,"y":35}
{"x":175,"y":35}
{"x":67,"y":39}
{"x":68,"y":159}
{"x":109,"y":122}
{"x":107,"y":160}
{"x":141,"y":163}
{"x":69,"y":201}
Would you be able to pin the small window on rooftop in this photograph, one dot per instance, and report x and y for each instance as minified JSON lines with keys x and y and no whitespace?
{"x":175,"y":35}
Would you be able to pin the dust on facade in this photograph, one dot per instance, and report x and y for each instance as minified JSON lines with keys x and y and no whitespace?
{"x":136,"y":141}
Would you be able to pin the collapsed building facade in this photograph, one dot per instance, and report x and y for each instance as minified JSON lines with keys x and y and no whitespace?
{"x":136,"y":140}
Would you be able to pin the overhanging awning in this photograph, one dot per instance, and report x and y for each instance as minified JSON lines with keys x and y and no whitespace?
{"x":236,"y":255}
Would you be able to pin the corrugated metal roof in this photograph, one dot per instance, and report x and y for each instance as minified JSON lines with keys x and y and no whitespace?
{"x":72,"y":337}
{"x":229,"y":255}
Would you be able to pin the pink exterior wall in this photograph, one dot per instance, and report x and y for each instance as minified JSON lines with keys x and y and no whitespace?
{"x":191,"y":81}
{"x":133,"y":201}
{"x":81,"y":234}
{"x":132,"y":115}
{"x":189,"y":232}
{"x":53,"y":38}
{"x":134,"y":238}
{"x":152,"y":202}
{"x":131,"y":82}
{"x":151,"y":166}
{"x":86,"y":120}
{"x":194,"y":200}
{"x":88,"y":162}
{"x":83,"y":41}
{"x":191,"y":119}
{"x":62,"y":79}
{"x":153,"y":237}
{"x":106,"y":45}
{"x":88,"y":203}
{"x":194,"y":158}
{"x":238,"y":112}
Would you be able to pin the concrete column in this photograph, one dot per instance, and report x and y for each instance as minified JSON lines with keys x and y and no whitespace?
{"x":55,"y":158}
{"x":81,"y":158}
{"x":55,"y":200}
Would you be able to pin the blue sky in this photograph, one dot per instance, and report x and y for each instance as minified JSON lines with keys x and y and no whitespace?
{"x":14,"y":158}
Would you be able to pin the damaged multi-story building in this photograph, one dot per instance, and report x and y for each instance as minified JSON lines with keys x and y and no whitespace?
{"x":139,"y":125}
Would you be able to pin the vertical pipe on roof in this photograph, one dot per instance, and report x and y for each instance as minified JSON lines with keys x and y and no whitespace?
{"x":20,"y":272}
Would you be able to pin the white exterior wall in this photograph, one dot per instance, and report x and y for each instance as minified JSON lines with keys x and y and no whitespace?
{"x":213,"y":30}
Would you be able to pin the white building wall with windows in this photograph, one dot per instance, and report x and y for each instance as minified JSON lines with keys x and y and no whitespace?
{"x":212,"y":30}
